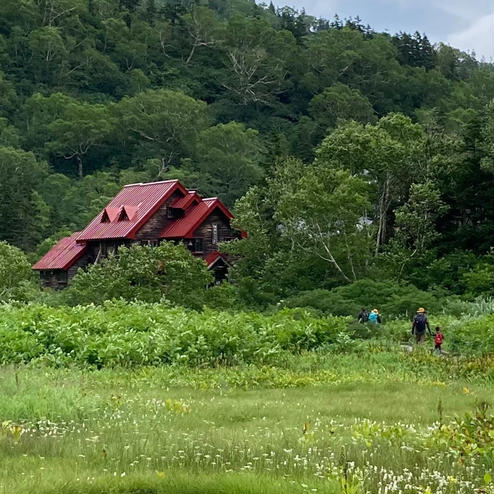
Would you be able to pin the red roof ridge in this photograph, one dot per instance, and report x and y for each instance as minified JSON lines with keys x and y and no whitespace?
{"x":142,"y":184}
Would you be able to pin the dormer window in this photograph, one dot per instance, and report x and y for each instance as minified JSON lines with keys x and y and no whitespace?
{"x":123,"y":215}
{"x":109,"y":214}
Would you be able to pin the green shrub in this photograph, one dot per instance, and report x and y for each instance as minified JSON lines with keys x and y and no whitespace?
{"x":479,"y":281}
{"x":390,"y":298}
{"x":129,"y":334}
{"x":471,"y":335}
{"x":16,"y":277}
{"x":144,"y":273}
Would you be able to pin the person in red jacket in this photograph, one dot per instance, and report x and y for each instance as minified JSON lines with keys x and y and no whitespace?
{"x":438,"y":339}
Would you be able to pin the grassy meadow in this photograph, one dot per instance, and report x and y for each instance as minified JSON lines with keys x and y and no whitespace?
{"x":334,"y":413}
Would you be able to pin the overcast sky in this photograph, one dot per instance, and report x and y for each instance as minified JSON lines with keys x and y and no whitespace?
{"x":464,"y":24}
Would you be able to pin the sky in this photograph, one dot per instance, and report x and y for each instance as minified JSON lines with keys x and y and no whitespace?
{"x":464,"y":24}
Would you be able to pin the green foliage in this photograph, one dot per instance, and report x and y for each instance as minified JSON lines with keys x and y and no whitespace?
{"x":23,"y":212}
{"x":144,"y":273}
{"x":79,"y":128}
{"x":339,"y":102}
{"x":472,"y":334}
{"x":160,"y":124}
{"x":470,"y":435}
{"x":15,"y":273}
{"x":480,"y":280}
{"x":390,"y":298}
{"x":231,"y":155}
{"x":120,"y":333}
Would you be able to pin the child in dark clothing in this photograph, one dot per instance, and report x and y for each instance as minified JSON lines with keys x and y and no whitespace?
{"x":438,"y":339}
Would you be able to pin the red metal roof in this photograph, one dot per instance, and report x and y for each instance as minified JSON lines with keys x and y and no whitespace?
{"x":212,"y":257}
{"x":184,"y":227}
{"x":62,"y":255}
{"x":139,"y":201}
{"x":186,"y":201}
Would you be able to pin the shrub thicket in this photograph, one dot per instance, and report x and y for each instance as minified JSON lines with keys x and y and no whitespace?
{"x":129,"y":334}
{"x":389,"y":297}
{"x":144,"y":273}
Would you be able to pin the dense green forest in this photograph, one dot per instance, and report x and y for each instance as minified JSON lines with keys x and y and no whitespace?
{"x":347,"y":154}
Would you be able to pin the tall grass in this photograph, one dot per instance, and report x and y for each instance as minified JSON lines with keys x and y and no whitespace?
{"x":127,"y":432}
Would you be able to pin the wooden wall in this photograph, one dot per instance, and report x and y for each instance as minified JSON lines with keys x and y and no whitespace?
{"x":205,"y":231}
{"x":53,"y":278}
{"x":154,"y":226}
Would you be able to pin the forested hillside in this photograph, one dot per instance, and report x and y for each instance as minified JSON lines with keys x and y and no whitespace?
{"x":344,"y":152}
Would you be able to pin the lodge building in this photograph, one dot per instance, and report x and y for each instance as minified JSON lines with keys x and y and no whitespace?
{"x":145,"y":213}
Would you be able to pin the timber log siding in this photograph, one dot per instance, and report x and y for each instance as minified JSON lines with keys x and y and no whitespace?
{"x":206,"y":232}
{"x":154,"y":226}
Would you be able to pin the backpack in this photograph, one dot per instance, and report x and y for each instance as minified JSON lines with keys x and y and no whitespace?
{"x":373,"y":317}
{"x":419,"y":321}
{"x":363,"y":316}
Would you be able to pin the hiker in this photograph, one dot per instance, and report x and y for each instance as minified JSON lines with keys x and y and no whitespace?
{"x":438,"y":340}
{"x":374,"y":317}
{"x":363,"y":316}
{"x":420,"y":323}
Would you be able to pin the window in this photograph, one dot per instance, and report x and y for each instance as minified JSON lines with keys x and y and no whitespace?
{"x":195,"y":245}
{"x":169,"y":213}
{"x":214,"y":234}
{"x":198,"y":245}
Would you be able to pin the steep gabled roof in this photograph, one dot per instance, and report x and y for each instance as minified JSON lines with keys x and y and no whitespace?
{"x":213,"y":257}
{"x":185,"y":202}
{"x":194,"y":217}
{"x":62,"y":255}
{"x":129,"y":210}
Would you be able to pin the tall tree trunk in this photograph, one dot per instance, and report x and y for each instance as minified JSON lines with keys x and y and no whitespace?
{"x":382,"y":214}
{"x":79,"y":167}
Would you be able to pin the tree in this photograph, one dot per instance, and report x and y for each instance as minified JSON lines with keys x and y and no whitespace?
{"x":339,"y":102}
{"x":389,"y":155}
{"x":23,"y":213}
{"x":9,"y":135}
{"x":161,"y":124}
{"x":203,"y":29}
{"x":486,"y":144}
{"x":81,"y":127}
{"x":231,"y":155}
{"x":415,"y":225}
{"x":414,"y":50}
{"x":15,"y":273}
{"x":144,"y":273}
{"x":257,"y":59}
{"x":323,"y":217}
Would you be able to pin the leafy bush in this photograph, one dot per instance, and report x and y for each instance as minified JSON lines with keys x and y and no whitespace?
{"x":119,"y":333}
{"x":391,"y":298}
{"x":16,"y":278}
{"x":480,"y":280}
{"x":472,"y":335}
{"x":458,"y":307}
{"x":144,"y":273}
{"x":223,"y":297}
